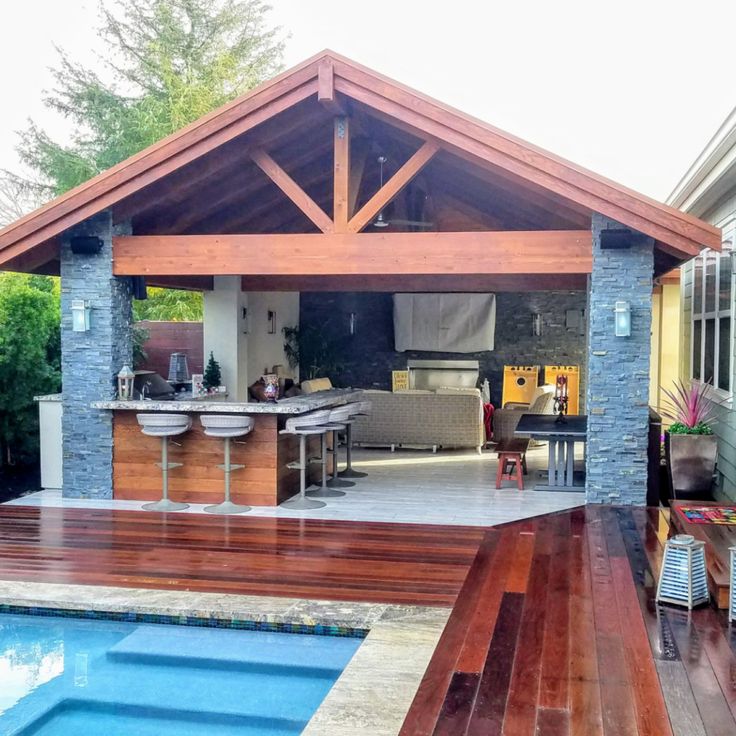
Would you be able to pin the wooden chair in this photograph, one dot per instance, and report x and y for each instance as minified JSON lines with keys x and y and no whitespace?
{"x":512,"y":461}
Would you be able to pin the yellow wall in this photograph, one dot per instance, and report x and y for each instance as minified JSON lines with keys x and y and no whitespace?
{"x":666,"y":342}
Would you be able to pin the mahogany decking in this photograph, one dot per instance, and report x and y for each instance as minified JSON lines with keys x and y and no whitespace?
{"x":553,"y":631}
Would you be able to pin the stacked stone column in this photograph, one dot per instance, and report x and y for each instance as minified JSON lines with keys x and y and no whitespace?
{"x":91,"y":360}
{"x":618,"y":369}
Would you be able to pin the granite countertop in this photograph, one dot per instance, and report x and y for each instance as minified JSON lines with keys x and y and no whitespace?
{"x":296,"y":405}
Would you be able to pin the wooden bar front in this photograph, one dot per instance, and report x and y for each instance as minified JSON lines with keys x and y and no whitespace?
{"x":264,"y":481}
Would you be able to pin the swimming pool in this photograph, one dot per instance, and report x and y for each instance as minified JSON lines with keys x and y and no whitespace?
{"x":63,"y":676}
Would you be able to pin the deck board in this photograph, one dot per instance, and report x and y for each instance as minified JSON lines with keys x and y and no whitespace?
{"x":553,"y":631}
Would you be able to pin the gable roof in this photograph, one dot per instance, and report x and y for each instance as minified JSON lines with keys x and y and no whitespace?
{"x":679,"y":234}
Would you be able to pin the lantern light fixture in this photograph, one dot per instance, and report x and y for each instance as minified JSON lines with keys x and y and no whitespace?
{"x":622,"y":314}
{"x":80,"y":315}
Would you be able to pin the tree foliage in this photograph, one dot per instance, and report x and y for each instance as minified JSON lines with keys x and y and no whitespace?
{"x":169,"y":304}
{"x":29,"y":359}
{"x":165,"y":64}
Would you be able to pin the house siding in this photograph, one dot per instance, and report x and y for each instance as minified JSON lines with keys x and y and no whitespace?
{"x":724,"y":428}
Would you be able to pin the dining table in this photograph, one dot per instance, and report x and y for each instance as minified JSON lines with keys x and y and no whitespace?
{"x":561,"y":433}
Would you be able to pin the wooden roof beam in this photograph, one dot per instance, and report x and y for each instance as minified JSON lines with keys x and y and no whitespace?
{"x":326,"y":94}
{"x":292,"y":190}
{"x":393,"y":186}
{"x":323,"y":254}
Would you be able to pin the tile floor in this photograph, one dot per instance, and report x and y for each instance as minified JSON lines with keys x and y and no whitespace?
{"x":407,"y":486}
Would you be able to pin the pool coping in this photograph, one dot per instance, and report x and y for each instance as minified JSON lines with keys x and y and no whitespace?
{"x":371,"y":696}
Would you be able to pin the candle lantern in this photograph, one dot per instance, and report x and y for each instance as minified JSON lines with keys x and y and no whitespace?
{"x":126,"y":378}
{"x":682,"y":579}
{"x":732,"y":595}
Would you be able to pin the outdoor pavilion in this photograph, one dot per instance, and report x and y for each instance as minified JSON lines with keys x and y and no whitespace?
{"x":279,"y":190}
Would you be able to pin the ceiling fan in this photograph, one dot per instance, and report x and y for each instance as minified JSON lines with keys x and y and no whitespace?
{"x":382,"y":221}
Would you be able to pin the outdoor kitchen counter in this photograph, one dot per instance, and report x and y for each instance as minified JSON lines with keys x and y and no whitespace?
{"x":295,"y":405}
{"x":265,"y":479}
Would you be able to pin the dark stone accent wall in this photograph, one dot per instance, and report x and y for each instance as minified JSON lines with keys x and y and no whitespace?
{"x":370,"y":356}
{"x":618,"y":371}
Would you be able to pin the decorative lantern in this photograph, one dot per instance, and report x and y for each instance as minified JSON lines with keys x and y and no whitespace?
{"x":682,"y":579}
{"x":732,"y":595}
{"x":126,"y":377}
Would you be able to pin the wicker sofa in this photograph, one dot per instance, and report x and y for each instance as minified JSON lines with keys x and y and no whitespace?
{"x":442,"y":418}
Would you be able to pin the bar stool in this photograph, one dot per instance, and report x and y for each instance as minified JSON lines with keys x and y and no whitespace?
{"x":304,"y":426}
{"x":324,"y":491}
{"x":339,"y":418}
{"x":164,"y":426}
{"x":227,"y":427}
{"x":357,"y":409}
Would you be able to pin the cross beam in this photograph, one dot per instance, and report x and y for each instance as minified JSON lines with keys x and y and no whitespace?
{"x":334,"y":254}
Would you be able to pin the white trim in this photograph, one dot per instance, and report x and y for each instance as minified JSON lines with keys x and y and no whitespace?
{"x":697,"y":188}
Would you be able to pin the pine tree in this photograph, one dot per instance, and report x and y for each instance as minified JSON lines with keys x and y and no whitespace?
{"x":212,"y":375}
{"x":165,"y":64}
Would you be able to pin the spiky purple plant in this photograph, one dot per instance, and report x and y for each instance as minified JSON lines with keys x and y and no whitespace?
{"x":690,"y":407}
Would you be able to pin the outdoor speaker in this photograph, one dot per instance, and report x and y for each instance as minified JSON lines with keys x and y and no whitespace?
{"x":86,"y":245}
{"x":620,"y":238}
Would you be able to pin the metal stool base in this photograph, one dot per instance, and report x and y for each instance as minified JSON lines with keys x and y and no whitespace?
{"x":165,"y":505}
{"x":350,"y":473}
{"x":338,"y":483}
{"x":324,"y":493}
{"x":300,"y":504}
{"x":227,"y":507}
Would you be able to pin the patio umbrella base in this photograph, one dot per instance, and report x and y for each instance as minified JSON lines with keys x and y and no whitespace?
{"x":300,"y":504}
{"x":325,"y":493}
{"x":337,"y":483}
{"x":165,"y":505}
{"x":227,"y":507}
{"x":350,"y":473}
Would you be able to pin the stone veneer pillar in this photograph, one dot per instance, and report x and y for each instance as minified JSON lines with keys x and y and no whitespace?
{"x":618,"y":370}
{"x":91,"y":360}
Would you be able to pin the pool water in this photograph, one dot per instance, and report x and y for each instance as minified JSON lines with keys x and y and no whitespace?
{"x":63,"y":676}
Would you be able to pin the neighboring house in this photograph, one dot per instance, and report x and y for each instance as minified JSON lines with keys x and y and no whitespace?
{"x":708,"y":191}
{"x":282,"y":194}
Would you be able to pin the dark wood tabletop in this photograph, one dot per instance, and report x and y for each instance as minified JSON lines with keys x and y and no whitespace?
{"x":546,"y":425}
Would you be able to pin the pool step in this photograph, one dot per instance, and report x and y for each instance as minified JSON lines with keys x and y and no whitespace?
{"x":235,"y":650}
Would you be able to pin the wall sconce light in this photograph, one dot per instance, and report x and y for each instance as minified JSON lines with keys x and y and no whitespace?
{"x":271,"y":322}
{"x":622,"y":315}
{"x":536,"y":324}
{"x":244,"y":317}
{"x":352,"y":321}
{"x":80,"y":315}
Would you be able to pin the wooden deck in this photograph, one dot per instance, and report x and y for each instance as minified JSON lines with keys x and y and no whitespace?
{"x":553,"y":630}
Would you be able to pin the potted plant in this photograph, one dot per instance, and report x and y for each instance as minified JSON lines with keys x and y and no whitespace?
{"x":691,"y":448}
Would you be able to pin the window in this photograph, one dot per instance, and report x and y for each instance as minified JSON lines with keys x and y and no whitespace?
{"x":712,"y":302}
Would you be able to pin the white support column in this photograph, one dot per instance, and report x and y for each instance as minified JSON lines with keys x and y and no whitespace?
{"x":224,"y":333}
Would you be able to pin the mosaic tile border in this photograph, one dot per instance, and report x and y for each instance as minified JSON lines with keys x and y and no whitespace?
{"x":133,"y":617}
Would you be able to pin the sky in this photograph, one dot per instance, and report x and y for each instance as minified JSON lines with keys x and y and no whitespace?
{"x":630,"y":89}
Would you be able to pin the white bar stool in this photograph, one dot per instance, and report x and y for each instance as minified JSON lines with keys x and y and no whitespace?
{"x":227,"y":426}
{"x":339,"y":417}
{"x":304,"y":426}
{"x":356,"y":410}
{"x":164,"y":426}
{"x":324,"y":491}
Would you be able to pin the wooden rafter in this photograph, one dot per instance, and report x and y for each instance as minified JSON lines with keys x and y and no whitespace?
{"x":393,"y":186}
{"x":341,"y":173}
{"x":292,"y":190}
{"x":334,"y":254}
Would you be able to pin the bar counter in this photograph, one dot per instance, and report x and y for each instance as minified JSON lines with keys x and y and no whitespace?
{"x":264,"y":481}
